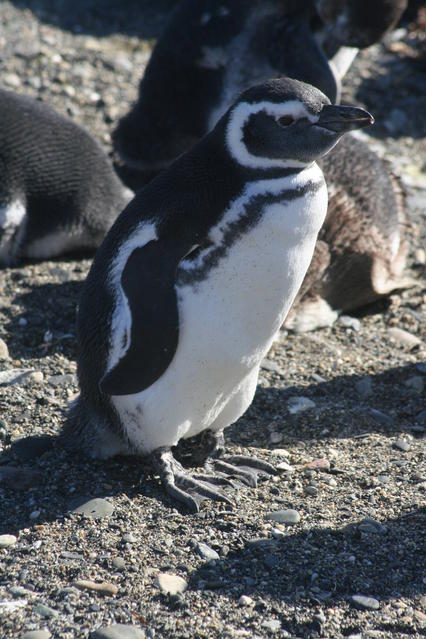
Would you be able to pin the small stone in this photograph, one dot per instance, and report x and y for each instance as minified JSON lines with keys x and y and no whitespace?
{"x":268,"y":365}
{"x":365,"y":603}
{"x":277,"y":534}
{"x":288,"y":516}
{"x":379,"y":416}
{"x":36,"y":377}
{"x":402,"y":444}
{"x":273,"y":625}
{"x":22,"y":321}
{"x":119,"y":563}
{"x":94,"y":508}
{"x":34,"y":514}
{"x":206,"y":552}
{"x":370,"y":525}
{"x":36,"y":634}
{"x":244,"y":600}
{"x":364,"y":387}
{"x":283,"y":467}
{"x":280,"y":452}
{"x":420,"y":256}
{"x":61,"y":380}
{"x":275,"y":438}
{"x":7,"y":540}
{"x":350,"y":322}
{"x":118,"y":631}
{"x":384,"y":479}
{"x":19,"y":591}
{"x":404,"y":337}
{"x":318,"y":464}
{"x":311,"y":490}
{"x":171,"y":584}
{"x":12,"y":80}
{"x":104,"y":587}
{"x":4,"y":351}
{"x":129,"y":538}
{"x":45,"y":611}
{"x":299,"y":405}
{"x":416,"y":384}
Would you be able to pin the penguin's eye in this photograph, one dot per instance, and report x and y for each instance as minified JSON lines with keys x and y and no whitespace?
{"x":286,"y":120}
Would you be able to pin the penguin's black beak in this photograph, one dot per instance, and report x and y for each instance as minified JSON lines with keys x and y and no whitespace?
{"x":341,"y":119}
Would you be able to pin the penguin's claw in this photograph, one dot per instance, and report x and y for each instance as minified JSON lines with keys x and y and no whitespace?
{"x":243,"y":468}
{"x":188,"y":489}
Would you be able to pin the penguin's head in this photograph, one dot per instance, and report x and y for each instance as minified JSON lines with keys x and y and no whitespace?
{"x":285,"y":123}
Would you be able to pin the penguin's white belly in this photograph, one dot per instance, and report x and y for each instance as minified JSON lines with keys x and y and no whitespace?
{"x":227,"y":322}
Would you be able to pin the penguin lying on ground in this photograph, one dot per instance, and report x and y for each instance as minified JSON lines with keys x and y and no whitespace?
{"x":58,"y":189}
{"x":193,"y":281}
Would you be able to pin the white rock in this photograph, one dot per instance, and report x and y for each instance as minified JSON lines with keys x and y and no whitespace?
{"x":171,"y":584}
{"x":7,"y":540}
{"x":299,"y":404}
{"x":4,"y":351}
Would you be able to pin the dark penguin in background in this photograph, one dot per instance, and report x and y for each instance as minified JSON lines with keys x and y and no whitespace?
{"x":58,"y":189}
{"x":194,"y":280}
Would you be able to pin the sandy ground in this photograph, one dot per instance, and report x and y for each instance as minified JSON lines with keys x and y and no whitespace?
{"x":351,"y":462}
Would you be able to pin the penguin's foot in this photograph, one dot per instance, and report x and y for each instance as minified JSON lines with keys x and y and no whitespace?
{"x":243,"y":468}
{"x":188,"y":489}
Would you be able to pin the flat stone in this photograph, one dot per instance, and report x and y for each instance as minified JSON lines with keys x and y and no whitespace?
{"x":4,"y":351}
{"x":299,"y":405}
{"x":283,"y":467}
{"x":31,"y":447}
{"x":14,"y":376}
{"x":365,"y":603}
{"x":119,"y":563}
{"x":61,"y":380}
{"x":244,"y":600}
{"x":280,"y":452}
{"x":318,"y":464}
{"x":268,"y":365}
{"x":104,"y":587}
{"x":96,"y":508}
{"x":350,"y":322}
{"x":118,"y":631}
{"x":206,"y":552}
{"x":171,"y":584}
{"x":36,"y":634}
{"x":273,"y":625}
{"x":19,"y":591}
{"x":404,"y":337}
{"x":402,"y":444}
{"x":45,"y":611}
{"x":7,"y":540}
{"x":288,"y":516}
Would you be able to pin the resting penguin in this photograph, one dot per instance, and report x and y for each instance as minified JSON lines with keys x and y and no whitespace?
{"x":58,"y":189}
{"x":195,"y":278}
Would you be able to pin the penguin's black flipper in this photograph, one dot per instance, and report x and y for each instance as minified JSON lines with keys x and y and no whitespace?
{"x":148,"y":281}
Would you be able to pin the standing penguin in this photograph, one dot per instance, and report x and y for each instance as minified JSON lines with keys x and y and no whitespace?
{"x":195,"y":278}
{"x":58,"y":189}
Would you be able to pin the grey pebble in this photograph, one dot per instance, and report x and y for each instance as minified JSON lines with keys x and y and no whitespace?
{"x":14,"y":376}
{"x":288,"y":516}
{"x":7,"y":540}
{"x":61,"y":380}
{"x":119,"y":563}
{"x":118,"y":631}
{"x":404,"y":337}
{"x":311,"y":490}
{"x":94,"y":508}
{"x":299,"y":404}
{"x":273,"y":625}
{"x":206,"y":552}
{"x":370,"y":525}
{"x":36,"y":634}
{"x":350,"y":322}
{"x":129,"y":538}
{"x":365,"y":603}
{"x":268,"y":365}
{"x":402,"y":444}
{"x":45,"y":611}
{"x":19,"y":591}
{"x":384,"y":479}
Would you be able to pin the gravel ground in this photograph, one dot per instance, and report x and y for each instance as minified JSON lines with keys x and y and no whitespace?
{"x":341,"y":411}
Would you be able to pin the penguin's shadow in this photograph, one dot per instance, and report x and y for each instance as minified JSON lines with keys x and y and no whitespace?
{"x":47,"y":322}
{"x":140,"y":18}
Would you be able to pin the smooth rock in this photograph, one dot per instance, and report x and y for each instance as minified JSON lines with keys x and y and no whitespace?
{"x":96,"y":508}
{"x":379,"y":416}
{"x":404,"y":337}
{"x":4,"y":351}
{"x":45,"y":611}
{"x":299,"y":405}
{"x":370,"y":525}
{"x":312,"y":491}
{"x":273,"y":625}
{"x":402,"y":444}
{"x":104,"y":587}
{"x":118,"y":631}
{"x":36,"y":377}
{"x":318,"y":464}
{"x":14,"y":376}
{"x":284,"y":467}
{"x":119,"y":563}
{"x":206,"y":552}
{"x":244,"y":600}
{"x":276,"y":438}
{"x":277,"y":534}
{"x":268,"y":365}
{"x":19,"y":591}
{"x":365,"y":603}
{"x":7,"y":540}
{"x":350,"y":322}
{"x":129,"y":538}
{"x":61,"y":380}
{"x":171,"y":584}
{"x":36,"y":634}
{"x":280,"y":452}
{"x":288,"y":516}
{"x":12,"y":80}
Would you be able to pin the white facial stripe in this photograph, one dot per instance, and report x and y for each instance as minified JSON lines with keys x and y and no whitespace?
{"x":12,"y":215}
{"x":241,"y":114}
{"x":121,"y":323}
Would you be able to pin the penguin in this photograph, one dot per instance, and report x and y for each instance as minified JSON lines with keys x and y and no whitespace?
{"x":193,"y":281}
{"x":58,"y":189}
{"x":361,"y":250}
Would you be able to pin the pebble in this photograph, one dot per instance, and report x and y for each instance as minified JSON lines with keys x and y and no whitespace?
{"x":402,"y":444}
{"x":284,"y":467}
{"x":404,"y":337}
{"x":61,"y":380}
{"x":299,"y":405}
{"x":244,"y":600}
{"x":272,"y":624}
{"x":19,"y":591}
{"x":7,"y":540}
{"x":415,"y":384}
{"x":350,"y":322}
{"x":370,"y":525}
{"x":34,"y":514}
{"x":379,"y":416}
{"x":364,"y":387}
{"x":171,"y":584}
{"x":45,"y":611}
{"x":14,"y":376}
{"x":311,"y":490}
{"x":268,"y":365}
{"x":365,"y":603}
{"x":118,"y":631}
{"x":4,"y":351}
{"x":94,"y":508}
{"x":206,"y":552}
{"x":318,"y":464}
{"x":12,"y":80}
{"x":288,"y":516}
{"x":280,"y":452}
{"x":104,"y":587}
{"x":276,"y":438}
{"x":36,"y":377}
{"x":129,"y":538}
{"x":119,"y":563}
{"x":277,"y":534}
{"x":35,"y":634}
